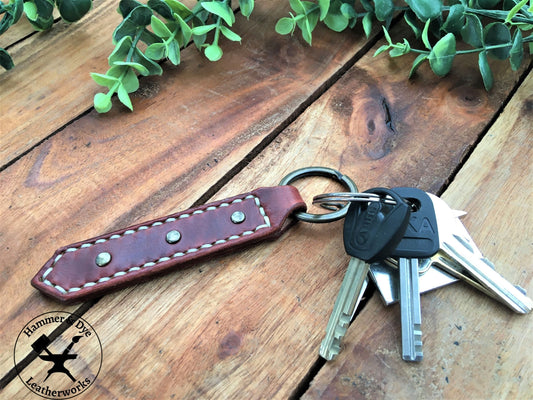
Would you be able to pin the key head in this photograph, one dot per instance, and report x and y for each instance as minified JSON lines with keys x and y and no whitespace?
{"x":373,"y":230}
{"x":421,"y":239}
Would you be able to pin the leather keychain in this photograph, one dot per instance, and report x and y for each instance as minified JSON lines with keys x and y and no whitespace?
{"x":96,"y":266}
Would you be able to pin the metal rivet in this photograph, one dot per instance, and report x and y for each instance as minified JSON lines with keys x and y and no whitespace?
{"x":238,"y":217}
{"x":103,"y":259}
{"x":173,"y":237}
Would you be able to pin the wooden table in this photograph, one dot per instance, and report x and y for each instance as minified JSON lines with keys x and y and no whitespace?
{"x":249,"y":324}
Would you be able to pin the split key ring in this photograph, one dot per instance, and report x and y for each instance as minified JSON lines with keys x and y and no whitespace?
{"x":324,"y":172}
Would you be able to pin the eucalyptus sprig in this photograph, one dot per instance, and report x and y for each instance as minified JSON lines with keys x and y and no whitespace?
{"x":493,"y":28}
{"x":40,"y":14}
{"x":159,"y":29}
{"x":162,"y":28}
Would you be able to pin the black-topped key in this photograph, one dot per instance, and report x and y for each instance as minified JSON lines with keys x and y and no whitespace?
{"x":371,"y":231}
{"x":421,"y":240}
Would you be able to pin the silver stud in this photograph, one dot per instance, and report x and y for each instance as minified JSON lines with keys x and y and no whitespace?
{"x":173,"y":237}
{"x":238,"y":217}
{"x":103,"y":259}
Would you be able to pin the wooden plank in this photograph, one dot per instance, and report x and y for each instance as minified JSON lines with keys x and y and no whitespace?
{"x":249,"y":324}
{"x":267,"y":307}
{"x":472,"y":344}
{"x":98,"y":174}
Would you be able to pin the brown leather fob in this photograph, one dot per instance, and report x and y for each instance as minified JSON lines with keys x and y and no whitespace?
{"x":105,"y":263}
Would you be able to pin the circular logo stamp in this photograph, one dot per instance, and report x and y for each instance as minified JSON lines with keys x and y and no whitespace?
{"x":58,"y":355}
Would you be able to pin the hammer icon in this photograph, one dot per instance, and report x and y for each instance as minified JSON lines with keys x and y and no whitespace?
{"x":41,"y":344}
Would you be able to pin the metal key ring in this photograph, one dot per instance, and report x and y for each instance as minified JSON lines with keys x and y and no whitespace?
{"x":327,"y":173}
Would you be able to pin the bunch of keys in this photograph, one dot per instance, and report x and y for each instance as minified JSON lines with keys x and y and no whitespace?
{"x":433,"y":240}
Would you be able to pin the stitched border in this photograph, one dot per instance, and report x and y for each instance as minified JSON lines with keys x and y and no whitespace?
{"x":162,"y":259}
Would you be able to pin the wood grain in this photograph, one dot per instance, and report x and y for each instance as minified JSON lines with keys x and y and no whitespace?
{"x":250,"y":324}
{"x":189,"y":129}
{"x":245,"y":325}
{"x":472,"y":344}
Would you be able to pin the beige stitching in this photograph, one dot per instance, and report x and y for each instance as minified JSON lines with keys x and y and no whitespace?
{"x":151,"y":264}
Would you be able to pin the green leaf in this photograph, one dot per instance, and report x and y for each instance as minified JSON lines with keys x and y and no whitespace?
{"x":73,"y":10}
{"x":139,"y":67}
{"x":179,"y":8}
{"x":104,"y":80}
{"x":136,"y":20}
{"x":140,"y":16}
{"x":412,"y":21}
{"x":13,"y":11}
{"x":229,"y":34}
{"x":159,"y":27}
{"x":121,"y":50}
{"x":425,"y":38}
{"x":130,"y":82}
{"x":455,"y":20}
{"x":383,"y":9}
{"x":220,"y":9}
{"x":40,"y":13}
{"x":156,"y":51}
{"x":102,"y":102}
{"x":442,"y":55}
{"x":174,"y":52}
{"x":513,"y":11}
{"x":425,"y":9}
{"x":186,"y":31}
{"x":485,"y":70}
{"x":487,"y":4}
{"x":124,"y":97}
{"x":285,"y":26}
{"x":213,"y":52}
{"x":306,"y":27}
{"x":381,"y":49}
{"x":127,"y":6}
{"x":117,"y":71}
{"x":162,"y":8}
{"x":324,"y":8}
{"x":417,"y":63}
{"x":348,"y":11}
{"x":30,"y":9}
{"x":297,"y":6}
{"x":246,"y":6}
{"x":387,"y":35}
{"x":367,"y":24}
{"x":496,"y":34}
{"x":472,"y":31}
{"x":152,"y":67}
{"x":517,"y":51}
{"x":335,"y":19}
{"x":203,"y":29}
{"x":400,"y":49}
{"x":5,"y":59}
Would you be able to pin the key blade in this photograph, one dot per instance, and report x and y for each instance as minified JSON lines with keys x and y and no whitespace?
{"x":346,"y":303}
{"x":480,"y":268}
{"x":470,"y":264}
{"x":411,"y":316}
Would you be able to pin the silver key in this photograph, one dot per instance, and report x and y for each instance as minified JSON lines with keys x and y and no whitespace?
{"x":461,"y":258}
{"x":370,"y":233}
{"x":411,"y":315}
{"x":352,"y":289}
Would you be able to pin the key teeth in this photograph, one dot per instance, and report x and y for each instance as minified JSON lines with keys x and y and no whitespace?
{"x":330,"y":352}
{"x":524,"y":291}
